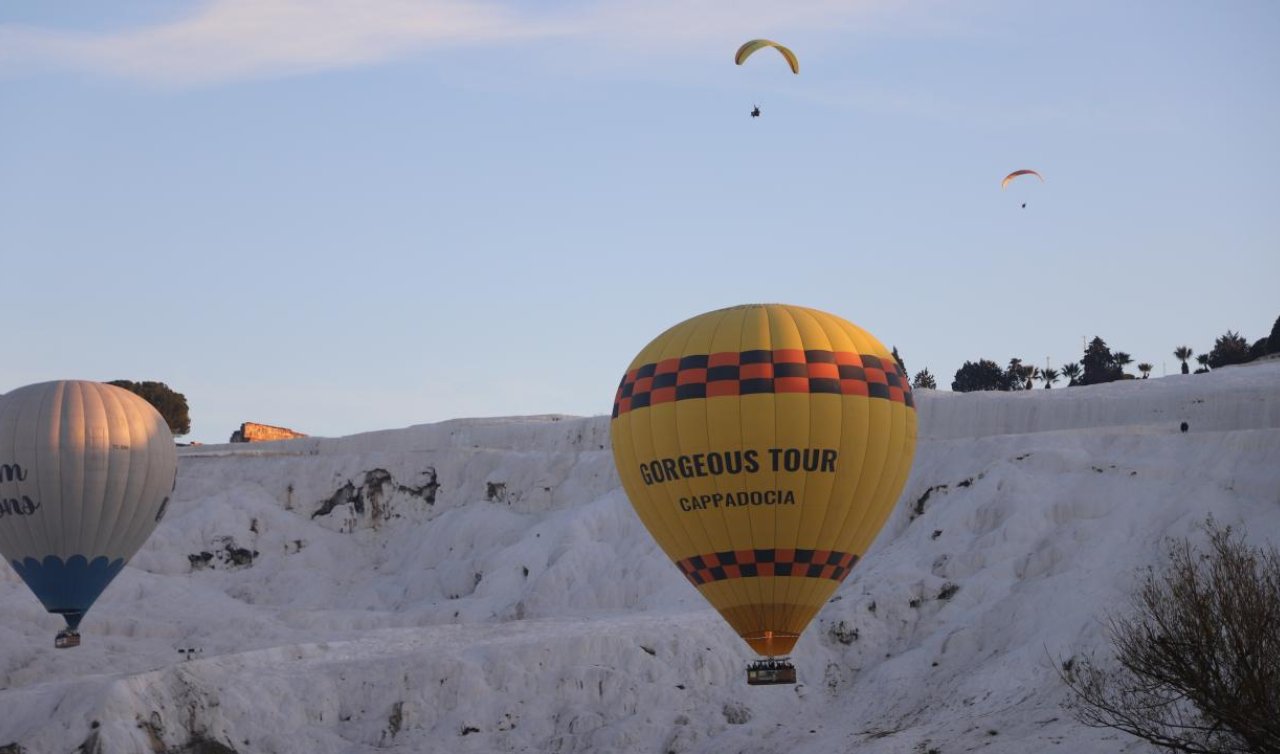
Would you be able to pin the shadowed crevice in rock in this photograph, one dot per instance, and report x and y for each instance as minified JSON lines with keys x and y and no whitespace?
{"x":375,"y":489}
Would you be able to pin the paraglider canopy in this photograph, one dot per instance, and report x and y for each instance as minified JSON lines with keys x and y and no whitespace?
{"x":747,"y":49}
{"x":1009,"y":178}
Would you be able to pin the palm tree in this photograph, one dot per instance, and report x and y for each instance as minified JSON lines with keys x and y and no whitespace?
{"x":1071,"y":370}
{"x":1049,"y":375}
{"x":1122,"y":360}
{"x":1145,"y":368}
{"x":1032,"y":374}
{"x":1017,"y":376}
{"x":1203,"y":361}
{"x":1182,"y":353}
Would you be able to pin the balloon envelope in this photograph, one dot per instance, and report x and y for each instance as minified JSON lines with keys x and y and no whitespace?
{"x":86,"y":470}
{"x":763,"y":447}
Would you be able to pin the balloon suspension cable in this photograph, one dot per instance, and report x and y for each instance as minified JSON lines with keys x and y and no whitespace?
{"x":66,"y":639}
{"x":771,"y":671}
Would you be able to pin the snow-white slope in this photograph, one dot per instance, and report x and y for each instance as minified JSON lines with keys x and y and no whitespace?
{"x":482,"y":585}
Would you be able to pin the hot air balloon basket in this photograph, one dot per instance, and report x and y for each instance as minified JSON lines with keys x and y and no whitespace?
{"x":67,"y":639}
{"x":771,"y":672}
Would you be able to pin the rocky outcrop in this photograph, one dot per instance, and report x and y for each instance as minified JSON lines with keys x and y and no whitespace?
{"x":253,"y":432}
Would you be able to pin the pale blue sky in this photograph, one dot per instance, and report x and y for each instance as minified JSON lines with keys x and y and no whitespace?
{"x":343,"y":216}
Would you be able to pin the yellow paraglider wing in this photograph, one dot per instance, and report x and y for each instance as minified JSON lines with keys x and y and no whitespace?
{"x":763,"y":447}
{"x":747,"y":49}
{"x":1009,"y":178}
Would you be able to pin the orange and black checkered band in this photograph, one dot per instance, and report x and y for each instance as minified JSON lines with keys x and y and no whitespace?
{"x":738,"y":564}
{"x":763,"y":371}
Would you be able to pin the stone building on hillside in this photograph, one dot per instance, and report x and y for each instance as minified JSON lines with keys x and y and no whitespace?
{"x":253,"y":432}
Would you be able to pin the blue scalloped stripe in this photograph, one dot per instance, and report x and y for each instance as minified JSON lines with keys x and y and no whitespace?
{"x":68,"y":588}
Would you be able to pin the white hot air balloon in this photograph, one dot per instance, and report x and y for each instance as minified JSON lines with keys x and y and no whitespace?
{"x":86,"y":470}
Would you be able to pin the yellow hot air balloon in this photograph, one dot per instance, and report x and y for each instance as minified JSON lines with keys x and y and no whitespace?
{"x":763,"y":446}
{"x":746,"y":50}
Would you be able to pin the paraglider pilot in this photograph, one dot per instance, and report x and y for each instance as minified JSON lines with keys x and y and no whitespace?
{"x":755,"y":112}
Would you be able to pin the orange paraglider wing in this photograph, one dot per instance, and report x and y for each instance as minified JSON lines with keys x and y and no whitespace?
{"x":1008,"y":178}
